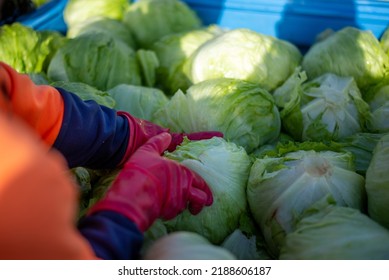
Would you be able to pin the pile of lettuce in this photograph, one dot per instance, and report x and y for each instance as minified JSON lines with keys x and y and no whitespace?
{"x":302,"y":169}
{"x":244,"y":112}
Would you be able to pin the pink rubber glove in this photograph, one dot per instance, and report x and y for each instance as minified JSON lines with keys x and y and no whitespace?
{"x":151,"y":186}
{"x":142,"y":130}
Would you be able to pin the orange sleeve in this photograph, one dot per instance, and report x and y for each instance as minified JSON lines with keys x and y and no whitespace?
{"x":38,"y":199}
{"x":40,"y":106}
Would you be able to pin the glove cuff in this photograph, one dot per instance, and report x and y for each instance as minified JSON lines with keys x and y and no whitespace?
{"x":143,"y":207}
{"x":140,"y":131}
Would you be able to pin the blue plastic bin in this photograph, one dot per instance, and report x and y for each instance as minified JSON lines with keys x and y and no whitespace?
{"x":297,"y":21}
{"x":47,"y":17}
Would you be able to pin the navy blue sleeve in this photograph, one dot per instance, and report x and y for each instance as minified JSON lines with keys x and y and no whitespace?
{"x":91,"y":135}
{"x":112,"y":235}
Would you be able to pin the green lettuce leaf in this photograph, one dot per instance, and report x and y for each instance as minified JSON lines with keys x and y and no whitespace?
{"x":224,"y":166}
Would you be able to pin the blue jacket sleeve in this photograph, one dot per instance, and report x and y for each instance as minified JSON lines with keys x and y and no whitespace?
{"x":91,"y":135}
{"x":112,"y":235}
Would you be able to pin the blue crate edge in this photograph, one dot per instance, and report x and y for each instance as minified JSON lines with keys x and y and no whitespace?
{"x":47,"y":17}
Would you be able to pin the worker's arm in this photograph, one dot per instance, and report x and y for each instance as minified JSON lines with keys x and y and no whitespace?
{"x":86,"y":133}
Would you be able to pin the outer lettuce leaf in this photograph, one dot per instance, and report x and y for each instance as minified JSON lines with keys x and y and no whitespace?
{"x":28,"y":50}
{"x":378,"y":100}
{"x":281,"y":188}
{"x":100,"y":61}
{"x":156,"y":231}
{"x":288,"y":99}
{"x":360,"y":145}
{"x":39,"y":78}
{"x":271,"y":147}
{"x":328,"y":107}
{"x":336,"y":233}
{"x":224,"y":166}
{"x":78,"y":11}
{"x":246,"y":242}
{"x":141,"y":102}
{"x":83,"y":180}
{"x":184,"y":245}
{"x":243,"y":111}
{"x":148,"y":62}
{"x":103,"y":181}
{"x":108,"y":26}
{"x":244,"y":54}
{"x":349,"y":52}
{"x":150,"y":20}
{"x":377,"y":183}
{"x":86,"y":92}
{"x":173,"y":50}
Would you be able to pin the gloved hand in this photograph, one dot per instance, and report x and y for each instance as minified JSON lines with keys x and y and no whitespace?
{"x":150,"y":187}
{"x":142,"y":130}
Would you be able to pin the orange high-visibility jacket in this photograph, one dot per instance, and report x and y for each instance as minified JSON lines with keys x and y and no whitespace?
{"x":38,"y":199}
